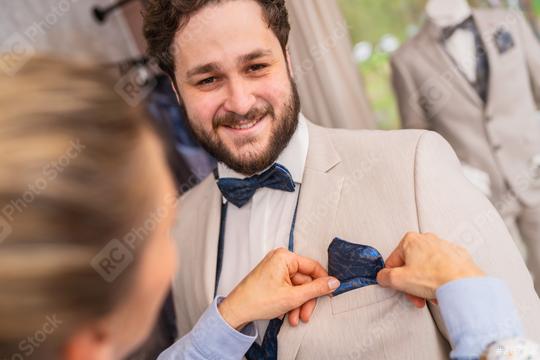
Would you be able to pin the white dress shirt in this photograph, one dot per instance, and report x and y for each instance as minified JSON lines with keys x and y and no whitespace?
{"x":264,"y":223}
{"x":461,"y":45}
{"x":462,"y":50}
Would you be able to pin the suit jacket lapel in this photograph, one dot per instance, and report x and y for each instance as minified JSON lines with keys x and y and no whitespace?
{"x":199,"y":231}
{"x":210,"y":216}
{"x":319,"y":199}
{"x":433,"y":50}
{"x":487,"y":30}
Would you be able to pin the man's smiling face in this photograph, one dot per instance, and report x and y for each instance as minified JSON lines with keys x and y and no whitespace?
{"x":235,"y":83}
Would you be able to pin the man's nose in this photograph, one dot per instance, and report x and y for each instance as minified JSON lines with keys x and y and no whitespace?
{"x":240,"y":99}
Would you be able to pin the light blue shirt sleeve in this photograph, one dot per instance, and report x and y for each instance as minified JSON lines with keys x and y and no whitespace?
{"x":477,"y":312}
{"x":212,"y":338}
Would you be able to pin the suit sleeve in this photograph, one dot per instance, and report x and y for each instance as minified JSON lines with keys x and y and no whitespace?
{"x":531,"y":47}
{"x":449,"y":206}
{"x":408,"y":99}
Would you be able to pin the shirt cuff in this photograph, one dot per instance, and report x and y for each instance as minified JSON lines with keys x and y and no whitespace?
{"x":477,"y":312}
{"x":216,"y":339}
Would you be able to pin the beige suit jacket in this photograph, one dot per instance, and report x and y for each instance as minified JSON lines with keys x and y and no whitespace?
{"x":367,"y":187}
{"x":500,"y":137}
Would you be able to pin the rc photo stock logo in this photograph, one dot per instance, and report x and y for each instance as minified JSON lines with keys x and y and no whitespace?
{"x":5,"y":229}
{"x":28,"y":346}
{"x":138,"y":83}
{"x":112,"y":260}
{"x":17,"y":48}
{"x":118,"y":254}
{"x":432,"y":96}
{"x":15,"y":51}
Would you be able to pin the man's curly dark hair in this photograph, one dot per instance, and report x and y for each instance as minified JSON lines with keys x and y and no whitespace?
{"x":164,"y":18}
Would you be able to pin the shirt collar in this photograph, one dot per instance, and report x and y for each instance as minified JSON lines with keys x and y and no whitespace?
{"x":293,"y":157}
{"x":436,"y":31}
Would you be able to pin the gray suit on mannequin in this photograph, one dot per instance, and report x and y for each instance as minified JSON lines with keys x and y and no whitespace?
{"x":488,"y":112}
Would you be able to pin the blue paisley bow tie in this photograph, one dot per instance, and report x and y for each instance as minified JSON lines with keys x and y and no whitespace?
{"x":240,"y":191}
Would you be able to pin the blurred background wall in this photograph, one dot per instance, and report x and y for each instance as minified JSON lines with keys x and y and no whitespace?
{"x":331,"y":89}
{"x":66,"y":28}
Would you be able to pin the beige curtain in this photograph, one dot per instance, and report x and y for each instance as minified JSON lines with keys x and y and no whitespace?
{"x":65,"y":28}
{"x":330,"y":87}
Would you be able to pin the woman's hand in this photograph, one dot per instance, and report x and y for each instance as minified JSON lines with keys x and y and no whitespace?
{"x":283,"y":282}
{"x":422,"y":263}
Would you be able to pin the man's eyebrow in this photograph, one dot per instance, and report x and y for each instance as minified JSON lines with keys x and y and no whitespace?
{"x":203,"y":69}
{"x":254,"y":55}
{"x":214,"y":67}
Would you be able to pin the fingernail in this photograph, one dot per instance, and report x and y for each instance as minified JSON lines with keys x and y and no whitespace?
{"x":333,"y":283}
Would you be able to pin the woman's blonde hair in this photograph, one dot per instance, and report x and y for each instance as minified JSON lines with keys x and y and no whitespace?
{"x":72,"y":180}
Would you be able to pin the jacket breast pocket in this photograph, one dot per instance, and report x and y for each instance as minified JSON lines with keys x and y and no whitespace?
{"x":359,"y":298}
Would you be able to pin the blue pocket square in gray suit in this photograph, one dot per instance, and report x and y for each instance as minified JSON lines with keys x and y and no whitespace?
{"x":503,"y":40}
{"x":354,"y":265}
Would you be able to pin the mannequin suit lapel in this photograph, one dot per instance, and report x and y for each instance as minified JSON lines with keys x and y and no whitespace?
{"x":432,"y":48}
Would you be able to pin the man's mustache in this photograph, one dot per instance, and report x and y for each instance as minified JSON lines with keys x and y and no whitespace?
{"x":231,"y":118}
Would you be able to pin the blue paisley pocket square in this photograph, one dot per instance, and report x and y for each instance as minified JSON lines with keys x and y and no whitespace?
{"x":354,"y":265}
{"x":503,"y":40}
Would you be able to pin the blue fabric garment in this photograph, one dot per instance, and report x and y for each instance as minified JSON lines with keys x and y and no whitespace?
{"x":477,"y":312}
{"x":269,"y":348}
{"x":240,"y":191}
{"x":504,"y":41}
{"x":170,"y":116}
{"x":212,"y":339}
{"x":354,"y":265}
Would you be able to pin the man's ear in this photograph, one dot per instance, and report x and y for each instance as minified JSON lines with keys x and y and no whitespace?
{"x":89,"y":342}
{"x":289,"y":63}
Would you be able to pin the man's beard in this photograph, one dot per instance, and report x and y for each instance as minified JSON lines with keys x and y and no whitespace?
{"x":282,"y":133}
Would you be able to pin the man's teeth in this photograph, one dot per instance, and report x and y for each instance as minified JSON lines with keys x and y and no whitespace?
{"x":244,"y":126}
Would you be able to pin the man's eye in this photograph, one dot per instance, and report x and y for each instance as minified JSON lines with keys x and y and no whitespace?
{"x":207,"y":81}
{"x":256,"y":67}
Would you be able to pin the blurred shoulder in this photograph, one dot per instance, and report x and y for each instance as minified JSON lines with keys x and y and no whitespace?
{"x":409,"y":49}
{"x":387,"y":139}
{"x":395,"y":145}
